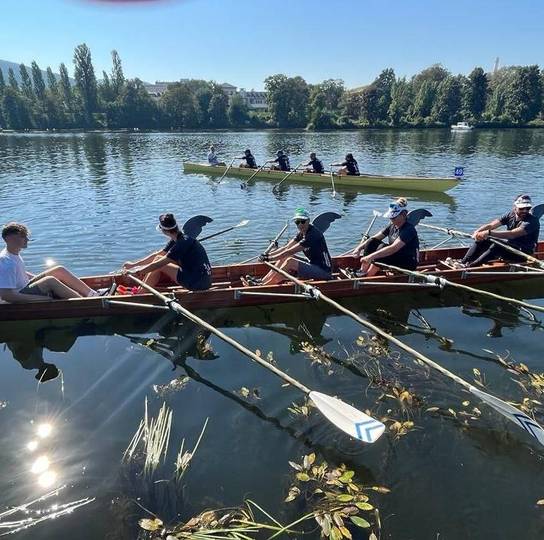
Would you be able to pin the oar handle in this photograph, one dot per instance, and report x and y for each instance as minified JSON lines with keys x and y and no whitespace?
{"x":241,"y":224}
{"x":178,"y":308}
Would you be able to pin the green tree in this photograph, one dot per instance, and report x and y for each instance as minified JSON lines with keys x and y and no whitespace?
{"x":14,"y":107}
{"x":448,"y":101}
{"x":136,"y":107}
{"x":287,"y":100}
{"x":52,"y":83}
{"x":237,"y":112}
{"x":423,"y":101}
{"x":370,"y":105}
{"x":476,"y":95}
{"x":66,"y":91}
{"x":105,"y":90}
{"x":117,"y":75}
{"x":218,"y":108}
{"x":12,"y":81}
{"x":350,"y":107}
{"x":2,"y":82}
{"x":38,"y":82}
{"x":325,"y":103}
{"x":26,"y":83}
{"x":524,"y":95}
{"x":85,"y":82}
{"x":384,"y":86}
{"x":179,"y":107}
{"x":402,"y":97}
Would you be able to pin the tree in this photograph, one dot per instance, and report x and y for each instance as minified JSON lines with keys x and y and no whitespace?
{"x":401,"y":98}
{"x":26,"y":83}
{"x":448,"y":101}
{"x":217,"y":110}
{"x":12,"y":81}
{"x":203,"y":96}
{"x":135,"y":106}
{"x":384,"y":85}
{"x":476,"y":95}
{"x":287,"y":100}
{"x":237,"y":112}
{"x":370,"y":111}
{"x":350,"y":106}
{"x":179,"y":106}
{"x":2,"y":82}
{"x":324,"y":103}
{"x":85,"y":82}
{"x":52,"y":84}
{"x":105,"y":90}
{"x":15,"y":110}
{"x":423,"y":101}
{"x":117,"y":75}
{"x":37,"y":80}
{"x":524,"y":95}
{"x":66,"y":89}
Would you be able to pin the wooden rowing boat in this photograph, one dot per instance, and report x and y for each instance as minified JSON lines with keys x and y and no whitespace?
{"x":399,"y":184}
{"x":227,"y":291}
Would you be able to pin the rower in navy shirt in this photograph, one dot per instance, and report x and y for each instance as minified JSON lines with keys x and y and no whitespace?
{"x":250,"y":162}
{"x":183,"y":260}
{"x":403,"y":247}
{"x":311,"y":242}
{"x":348,"y":167}
{"x":522,"y":230}
{"x":282,"y":162}
{"x":314,"y":165}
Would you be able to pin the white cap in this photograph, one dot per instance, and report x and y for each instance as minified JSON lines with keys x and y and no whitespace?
{"x":523,"y":201}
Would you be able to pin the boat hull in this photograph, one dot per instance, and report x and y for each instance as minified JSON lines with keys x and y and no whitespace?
{"x":400,"y":184}
{"x":227,"y":291}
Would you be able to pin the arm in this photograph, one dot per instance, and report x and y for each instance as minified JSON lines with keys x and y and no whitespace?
{"x":384,"y":252}
{"x":492,"y":225}
{"x":145,"y":260}
{"x":154,"y":265}
{"x":13,"y":296}
{"x":280,"y":252}
{"x":290,"y":249}
{"x":379,"y":236}
{"x":508,"y":235}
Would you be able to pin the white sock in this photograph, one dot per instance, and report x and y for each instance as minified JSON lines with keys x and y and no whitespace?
{"x":92,"y":292}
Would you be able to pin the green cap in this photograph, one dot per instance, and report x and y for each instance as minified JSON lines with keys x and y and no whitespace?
{"x":301,"y":213}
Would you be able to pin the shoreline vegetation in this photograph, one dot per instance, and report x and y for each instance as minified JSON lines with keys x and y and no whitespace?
{"x":510,"y":97}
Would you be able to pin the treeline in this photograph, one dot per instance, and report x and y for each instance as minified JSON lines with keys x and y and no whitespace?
{"x":512,"y":96}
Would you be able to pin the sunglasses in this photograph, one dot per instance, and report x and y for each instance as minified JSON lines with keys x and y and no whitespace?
{"x":300,"y":221}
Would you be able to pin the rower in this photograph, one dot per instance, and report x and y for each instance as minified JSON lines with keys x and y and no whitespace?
{"x":19,"y":286}
{"x":311,"y":242}
{"x":314,"y":165}
{"x":282,"y":162}
{"x":402,"y":249}
{"x":250,"y":162}
{"x":213,"y":159}
{"x":348,"y":167}
{"x":522,"y":230}
{"x":183,"y":260}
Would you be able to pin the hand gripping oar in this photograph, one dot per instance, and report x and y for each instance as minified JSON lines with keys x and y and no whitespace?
{"x":437,"y":280}
{"x":507,"y":410}
{"x":273,"y":244}
{"x":276,"y":186}
{"x":343,"y":416}
{"x":227,"y":170}
{"x":244,"y":184}
{"x":507,"y":247}
{"x":366,"y":234}
{"x":242,"y":223}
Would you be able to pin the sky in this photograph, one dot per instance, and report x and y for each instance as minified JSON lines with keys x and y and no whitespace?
{"x":244,"y":41}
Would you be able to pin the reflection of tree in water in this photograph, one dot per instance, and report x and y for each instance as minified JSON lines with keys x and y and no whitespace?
{"x":94,"y":147}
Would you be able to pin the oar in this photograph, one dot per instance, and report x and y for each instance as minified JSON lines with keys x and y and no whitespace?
{"x":271,"y":246}
{"x":453,"y":232}
{"x":226,"y":170}
{"x":276,"y":186}
{"x":242,"y":223}
{"x":332,"y":181}
{"x":244,"y":184}
{"x":366,"y":234}
{"x":507,"y":410}
{"x":437,"y":280}
{"x":343,"y":416}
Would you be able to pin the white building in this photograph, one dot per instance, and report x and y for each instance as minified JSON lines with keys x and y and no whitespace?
{"x":159,"y":88}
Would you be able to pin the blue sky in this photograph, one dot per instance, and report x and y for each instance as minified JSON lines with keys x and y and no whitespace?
{"x":243,"y":41}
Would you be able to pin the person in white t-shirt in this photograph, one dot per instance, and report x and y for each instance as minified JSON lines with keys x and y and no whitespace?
{"x":213,"y":159}
{"x":19,"y":286}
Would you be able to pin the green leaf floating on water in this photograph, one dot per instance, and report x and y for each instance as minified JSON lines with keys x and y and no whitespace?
{"x":360,"y":522}
{"x":346,"y":477}
{"x":303,"y":477}
{"x":150,"y":524}
{"x":344,"y":497}
{"x":364,"y":506}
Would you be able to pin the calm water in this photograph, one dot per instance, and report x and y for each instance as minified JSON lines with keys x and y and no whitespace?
{"x":92,"y":202}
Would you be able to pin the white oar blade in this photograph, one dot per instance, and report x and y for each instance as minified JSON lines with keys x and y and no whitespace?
{"x":243,"y":223}
{"x":513,"y":414}
{"x":347,"y":418}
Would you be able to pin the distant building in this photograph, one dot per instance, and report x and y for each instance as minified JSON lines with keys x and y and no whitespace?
{"x":254,"y":100}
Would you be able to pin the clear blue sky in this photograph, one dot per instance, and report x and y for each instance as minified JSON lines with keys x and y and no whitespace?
{"x":243,"y":41}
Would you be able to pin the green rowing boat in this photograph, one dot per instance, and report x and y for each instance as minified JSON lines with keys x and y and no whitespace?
{"x":400,"y":184}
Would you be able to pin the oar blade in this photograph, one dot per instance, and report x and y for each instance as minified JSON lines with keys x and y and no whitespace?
{"x":350,"y":420}
{"x":242,"y":223}
{"x":514,"y":415}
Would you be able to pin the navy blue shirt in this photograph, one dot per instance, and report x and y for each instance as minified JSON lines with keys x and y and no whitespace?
{"x":189,"y":254}
{"x":352,"y":167}
{"x":315,"y":248}
{"x":283,"y":162}
{"x":408,"y":234}
{"x":530,"y":224}
{"x":250,"y":161}
{"x":317,"y":166}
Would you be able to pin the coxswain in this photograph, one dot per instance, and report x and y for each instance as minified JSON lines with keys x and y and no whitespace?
{"x":308,"y":240}
{"x":248,"y":161}
{"x":314,"y":165}
{"x":522,"y":230}
{"x":183,"y":260}
{"x":19,"y":286}
{"x":348,"y":167}
{"x":282,"y":162}
{"x":213,"y":159}
{"x":402,"y":249}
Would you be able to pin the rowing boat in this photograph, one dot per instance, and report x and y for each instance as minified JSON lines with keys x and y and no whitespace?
{"x":227,"y":291}
{"x":400,"y":184}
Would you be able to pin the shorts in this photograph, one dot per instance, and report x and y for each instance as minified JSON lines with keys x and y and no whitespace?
{"x":31,"y":288}
{"x":399,"y":261}
{"x":194,"y":283}
{"x":308,"y":270}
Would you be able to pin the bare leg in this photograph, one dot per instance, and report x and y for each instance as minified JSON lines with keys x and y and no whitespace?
{"x":52,"y":285}
{"x":170,"y":270}
{"x":289,"y":265}
{"x":68,"y":279}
